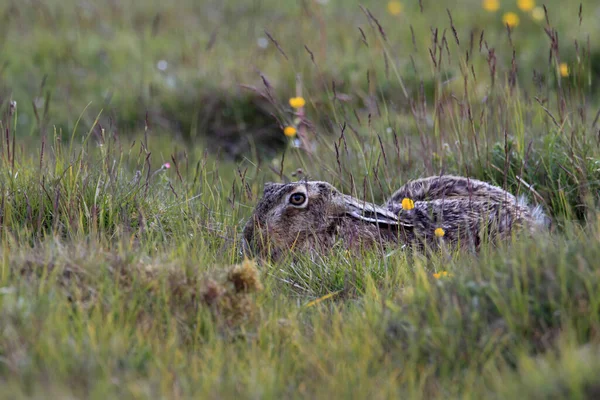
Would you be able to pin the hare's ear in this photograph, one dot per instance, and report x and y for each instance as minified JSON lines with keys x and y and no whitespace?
{"x":371,"y":213}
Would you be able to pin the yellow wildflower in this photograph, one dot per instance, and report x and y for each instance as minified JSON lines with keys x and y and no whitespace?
{"x":439,"y":232}
{"x":394,"y":7}
{"x":526,"y":5}
{"x":440,"y":274}
{"x":538,"y":14}
{"x":511,"y":19}
{"x":407,"y":204}
{"x":297,"y":102}
{"x":289,"y":131}
{"x":491,"y":5}
{"x":563,"y":68}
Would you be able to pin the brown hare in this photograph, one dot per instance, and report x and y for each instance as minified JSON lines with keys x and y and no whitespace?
{"x":313,"y":216}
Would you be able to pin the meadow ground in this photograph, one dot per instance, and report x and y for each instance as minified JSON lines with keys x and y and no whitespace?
{"x":137,"y":136}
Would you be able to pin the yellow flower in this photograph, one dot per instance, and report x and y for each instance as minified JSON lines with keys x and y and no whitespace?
{"x":439,"y":232}
{"x":526,"y":5}
{"x":297,"y":102}
{"x":438,"y":275}
{"x":394,"y":7}
{"x":289,"y":131}
{"x":563,"y":68}
{"x":491,"y":5}
{"x":538,"y":14}
{"x":407,"y":204}
{"x":511,"y":19}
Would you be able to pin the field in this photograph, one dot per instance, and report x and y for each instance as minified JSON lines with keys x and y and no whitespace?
{"x":136,"y":138}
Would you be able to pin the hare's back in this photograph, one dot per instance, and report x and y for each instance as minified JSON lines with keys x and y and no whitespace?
{"x":447,"y":187}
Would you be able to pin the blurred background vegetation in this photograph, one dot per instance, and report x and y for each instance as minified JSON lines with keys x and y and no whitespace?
{"x":187,"y":64}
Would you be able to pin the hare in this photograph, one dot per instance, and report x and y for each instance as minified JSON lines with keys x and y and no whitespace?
{"x":313,"y":216}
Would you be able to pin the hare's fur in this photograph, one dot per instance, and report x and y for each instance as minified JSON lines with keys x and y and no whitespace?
{"x":467,"y":210}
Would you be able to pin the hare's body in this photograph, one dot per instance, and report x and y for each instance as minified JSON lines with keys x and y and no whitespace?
{"x":449,"y":186}
{"x":315,"y":216}
{"x":464,"y":222}
{"x":469,"y":200}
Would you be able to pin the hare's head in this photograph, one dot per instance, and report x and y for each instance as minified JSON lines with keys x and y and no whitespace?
{"x":305,"y":215}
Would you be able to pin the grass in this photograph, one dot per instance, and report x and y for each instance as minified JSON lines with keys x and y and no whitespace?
{"x":119,"y":219}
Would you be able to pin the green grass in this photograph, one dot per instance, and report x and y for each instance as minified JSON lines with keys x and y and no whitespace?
{"x":120,"y":277}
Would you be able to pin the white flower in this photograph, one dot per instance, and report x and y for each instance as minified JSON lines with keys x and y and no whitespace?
{"x":262,"y":42}
{"x":162,"y":65}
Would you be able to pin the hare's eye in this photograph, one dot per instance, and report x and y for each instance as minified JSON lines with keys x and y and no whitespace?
{"x":297,"y":199}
